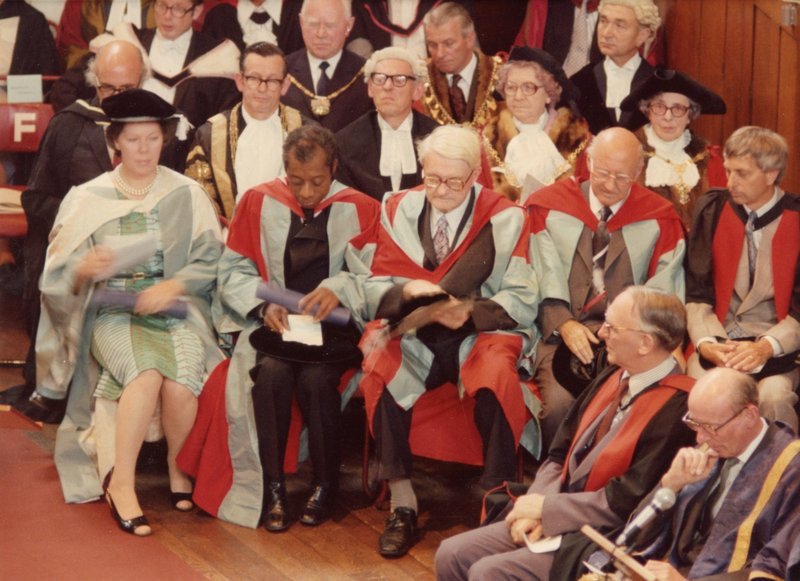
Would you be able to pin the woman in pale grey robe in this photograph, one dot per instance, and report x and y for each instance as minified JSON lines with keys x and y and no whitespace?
{"x":123,"y":361}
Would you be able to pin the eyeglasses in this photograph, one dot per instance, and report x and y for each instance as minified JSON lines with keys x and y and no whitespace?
{"x":659,"y":108}
{"x":454,"y":184}
{"x":254,"y":82}
{"x":108,"y":90}
{"x":710,"y":429}
{"x":620,"y":179}
{"x":527,"y":89}
{"x":397,"y":80}
{"x":620,"y":328}
{"x":178,"y":11}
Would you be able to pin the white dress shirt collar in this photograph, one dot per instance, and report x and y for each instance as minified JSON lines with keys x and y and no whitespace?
{"x":314,"y":62}
{"x":618,"y":80}
{"x":453,"y":218}
{"x":596,"y":206}
{"x":253,"y":32}
{"x":467,"y":73}
{"x":766,"y":207}
{"x":397,"y":151}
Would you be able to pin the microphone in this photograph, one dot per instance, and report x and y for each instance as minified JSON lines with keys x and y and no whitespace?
{"x":663,"y":499}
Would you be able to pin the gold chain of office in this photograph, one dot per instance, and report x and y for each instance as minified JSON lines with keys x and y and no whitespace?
{"x":321,"y":105}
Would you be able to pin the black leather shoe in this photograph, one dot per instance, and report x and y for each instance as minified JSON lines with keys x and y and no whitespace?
{"x":276,"y":517}
{"x":400,"y":533}
{"x":318,"y":507}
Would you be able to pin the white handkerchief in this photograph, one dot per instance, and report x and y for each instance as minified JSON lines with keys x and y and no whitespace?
{"x":128,"y":252}
{"x":544,"y":545}
{"x":303,"y":329}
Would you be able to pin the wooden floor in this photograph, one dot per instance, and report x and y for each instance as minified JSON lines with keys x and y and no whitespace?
{"x":343,"y":548}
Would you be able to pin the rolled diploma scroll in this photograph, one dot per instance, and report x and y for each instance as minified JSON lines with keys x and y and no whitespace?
{"x":290,"y":299}
{"x":104,"y":297}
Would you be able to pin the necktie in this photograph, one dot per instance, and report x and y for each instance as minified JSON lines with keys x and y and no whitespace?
{"x":308,"y":215}
{"x":752,"y":251}
{"x":324,"y":80}
{"x":458,"y":104}
{"x":600,"y":239}
{"x":259,"y":18}
{"x":580,"y":44}
{"x":441,"y":243}
{"x":608,"y":418}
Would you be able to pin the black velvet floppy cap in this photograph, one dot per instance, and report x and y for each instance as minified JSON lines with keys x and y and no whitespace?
{"x":569,"y":92}
{"x":137,"y":105}
{"x":672,"y":81}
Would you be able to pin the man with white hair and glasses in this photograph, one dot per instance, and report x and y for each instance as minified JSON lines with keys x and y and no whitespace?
{"x":462,"y":250}
{"x":377,"y":149}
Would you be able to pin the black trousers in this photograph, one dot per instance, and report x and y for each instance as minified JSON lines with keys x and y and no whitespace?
{"x":392,"y":425}
{"x":314,"y":385}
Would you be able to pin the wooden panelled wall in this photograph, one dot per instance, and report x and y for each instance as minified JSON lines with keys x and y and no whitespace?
{"x":740,"y":49}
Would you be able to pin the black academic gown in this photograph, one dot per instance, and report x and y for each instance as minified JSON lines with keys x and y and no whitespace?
{"x":222,"y":22}
{"x":591,"y":81}
{"x":360,"y":154}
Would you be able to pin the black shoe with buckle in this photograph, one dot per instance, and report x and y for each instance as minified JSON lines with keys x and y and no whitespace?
{"x":319,"y":504}
{"x":399,"y":534}
{"x":276,"y":517}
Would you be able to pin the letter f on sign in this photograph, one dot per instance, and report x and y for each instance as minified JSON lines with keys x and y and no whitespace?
{"x":24,"y":122}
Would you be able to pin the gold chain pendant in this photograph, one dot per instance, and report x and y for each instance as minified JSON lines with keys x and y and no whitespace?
{"x":320,"y":106}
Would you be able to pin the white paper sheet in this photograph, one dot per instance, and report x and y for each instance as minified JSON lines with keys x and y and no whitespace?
{"x":303,"y":329}
{"x":129,"y":251}
{"x":544,"y":545}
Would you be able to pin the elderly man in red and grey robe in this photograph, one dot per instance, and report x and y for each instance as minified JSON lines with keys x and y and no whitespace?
{"x":589,"y":242}
{"x":294,"y":234}
{"x":457,"y":252}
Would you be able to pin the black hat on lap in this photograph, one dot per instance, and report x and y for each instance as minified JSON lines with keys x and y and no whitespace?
{"x":672,"y":81}
{"x":137,"y":105}
{"x":569,"y":92}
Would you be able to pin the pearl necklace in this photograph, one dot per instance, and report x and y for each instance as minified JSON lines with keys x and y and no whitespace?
{"x":128,"y":190}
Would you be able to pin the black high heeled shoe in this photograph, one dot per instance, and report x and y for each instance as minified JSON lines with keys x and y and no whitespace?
{"x":127,"y":525}
{"x":176,"y":497}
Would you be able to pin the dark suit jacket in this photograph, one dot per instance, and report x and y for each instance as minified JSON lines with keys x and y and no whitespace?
{"x":360,"y":154}
{"x":558,"y":31}
{"x":35,"y":50}
{"x":72,"y":152}
{"x":591,"y":80}
{"x":346,"y":107}
{"x":221,"y":22}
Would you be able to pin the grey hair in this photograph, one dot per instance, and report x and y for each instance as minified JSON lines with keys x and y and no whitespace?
{"x":767,"y":149}
{"x":346,"y":4}
{"x":446,"y":11}
{"x":418,"y":67}
{"x":741,"y":388}
{"x":453,"y":142}
{"x":646,"y":11}
{"x":546,"y":78}
{"x":661,"y":315}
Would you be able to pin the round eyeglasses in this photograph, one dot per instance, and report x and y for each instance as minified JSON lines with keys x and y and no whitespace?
{"x":659,"y":108}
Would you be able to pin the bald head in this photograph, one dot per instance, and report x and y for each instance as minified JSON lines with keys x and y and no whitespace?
{"x":116,"y":67}
{"x":725,"y":402}
{"x":617,"y":159}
